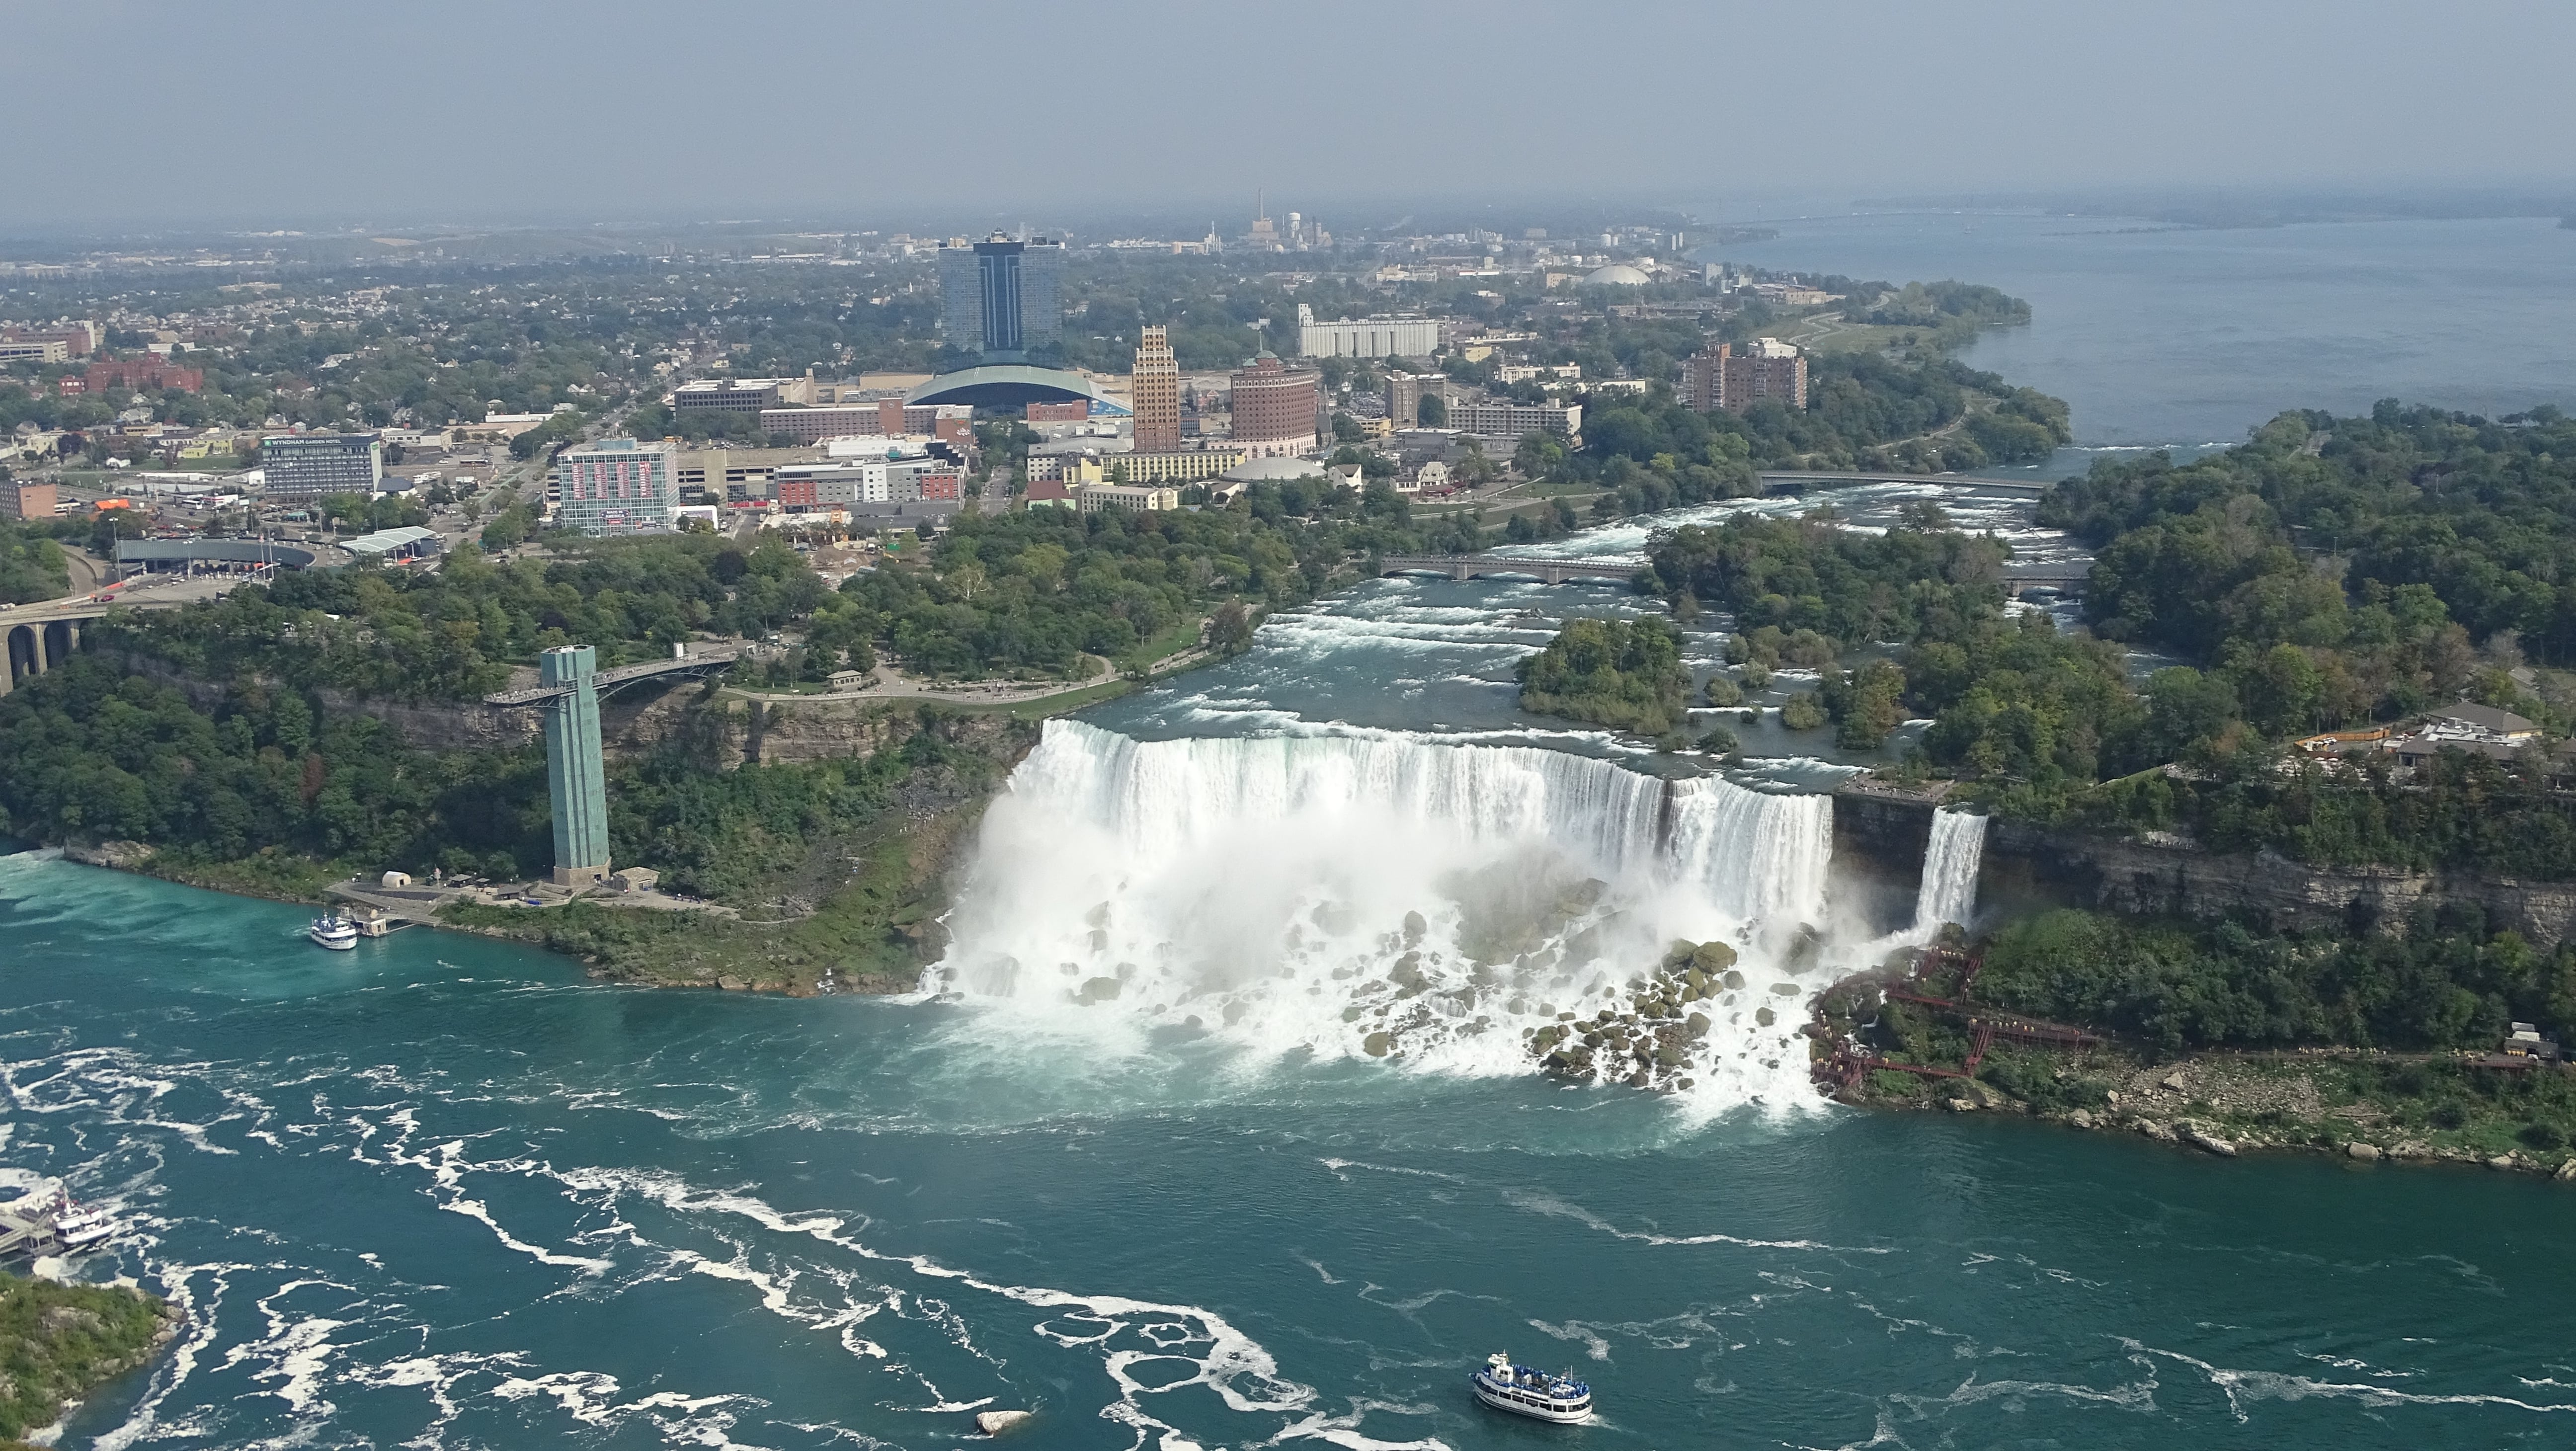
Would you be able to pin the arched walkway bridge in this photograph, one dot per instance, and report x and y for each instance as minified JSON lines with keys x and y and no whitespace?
{"x":701,"y":660}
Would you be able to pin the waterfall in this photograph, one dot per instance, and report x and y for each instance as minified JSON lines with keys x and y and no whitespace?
{"x":1379,"y":894}
{"x":1950,"y":861}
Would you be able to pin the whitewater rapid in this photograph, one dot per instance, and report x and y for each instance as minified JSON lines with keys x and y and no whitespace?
{"x":1382,"y":895}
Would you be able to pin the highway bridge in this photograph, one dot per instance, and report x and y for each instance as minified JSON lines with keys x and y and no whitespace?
{"x":701,"y":660}
{"x":2066,"y":578}
{"x":1485,"y":566}
{"x":1793,"y":482}
{"x":34,"y":638}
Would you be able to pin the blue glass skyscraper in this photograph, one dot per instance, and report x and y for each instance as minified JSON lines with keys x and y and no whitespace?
{"x":998,"y":296}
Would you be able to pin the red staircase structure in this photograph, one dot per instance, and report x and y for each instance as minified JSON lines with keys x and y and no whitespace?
{"x":1848,"y":1064}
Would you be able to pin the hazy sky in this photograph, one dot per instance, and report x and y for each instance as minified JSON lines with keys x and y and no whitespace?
{"x":128,"y":113}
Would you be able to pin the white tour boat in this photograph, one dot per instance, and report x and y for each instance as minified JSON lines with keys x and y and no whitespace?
{"x":1533,"y":1393}
{"x":82,"y":1227}
{"x":334,"y":931}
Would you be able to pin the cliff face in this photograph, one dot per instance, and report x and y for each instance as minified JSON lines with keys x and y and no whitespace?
{"x":2178,"y":879}
{"x":724,"y":733}
{"x":1881,"y":841}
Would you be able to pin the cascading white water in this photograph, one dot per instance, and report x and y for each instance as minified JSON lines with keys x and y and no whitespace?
{"x":1383,"y":895}
{"x":1950,"y":862}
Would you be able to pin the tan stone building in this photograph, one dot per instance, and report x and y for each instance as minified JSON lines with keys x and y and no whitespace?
{"x":1155,"y":394}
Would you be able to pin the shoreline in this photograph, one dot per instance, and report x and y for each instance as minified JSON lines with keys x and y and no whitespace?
{"x":2157,"y":1103}
{"x":2228,"y":1104}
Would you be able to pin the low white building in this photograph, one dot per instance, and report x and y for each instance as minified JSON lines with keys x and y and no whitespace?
{"x":1371,"y":337}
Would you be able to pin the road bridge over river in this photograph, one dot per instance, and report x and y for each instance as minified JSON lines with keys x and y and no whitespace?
{"x":1620,"y":567}
{"x":34,"y":638}
{"x":1799,"y":483}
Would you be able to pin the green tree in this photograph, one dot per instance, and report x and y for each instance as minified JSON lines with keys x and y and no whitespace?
{"x":1623,"y":674}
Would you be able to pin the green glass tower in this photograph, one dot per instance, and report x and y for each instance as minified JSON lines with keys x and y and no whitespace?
{"x":576,"y":780}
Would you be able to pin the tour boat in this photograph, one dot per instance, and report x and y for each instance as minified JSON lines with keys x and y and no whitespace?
{"x":335,"y":932}
{"x":1533,"y":1393}
{"x":82,"y":1226}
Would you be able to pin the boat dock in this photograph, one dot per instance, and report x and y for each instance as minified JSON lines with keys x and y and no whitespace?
{"x":371,"y":911}
{"x":27,"y":1230}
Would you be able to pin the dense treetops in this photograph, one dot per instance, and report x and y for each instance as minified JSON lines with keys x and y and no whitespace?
{"x":455,"y":631}
{"x":264,"y":783}
{"x":89,"y":752}
{"x":1863,"y":410}
{"x":2288,"y":538}
{"x":1032,"y":591}
{"x":1624,"y":674}
{"x":2444,"y":983}
{"x":58,"y":1342}
{"x":31,"y":565}
{"x":1812,"y":574}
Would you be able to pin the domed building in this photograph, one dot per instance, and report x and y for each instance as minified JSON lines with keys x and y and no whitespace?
{"x":1617,"y":274}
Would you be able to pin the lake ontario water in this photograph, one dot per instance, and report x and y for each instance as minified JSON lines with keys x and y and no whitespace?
{"x":446,"y":1192}
{"x":2164,"y":335}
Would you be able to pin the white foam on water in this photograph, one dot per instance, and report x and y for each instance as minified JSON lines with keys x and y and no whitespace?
{"x":1378,"y":894}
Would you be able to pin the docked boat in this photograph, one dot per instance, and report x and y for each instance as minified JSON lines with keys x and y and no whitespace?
{"x":1533,"y":1393}
{"x":335,"y":932}
{"x":83,"y":1227}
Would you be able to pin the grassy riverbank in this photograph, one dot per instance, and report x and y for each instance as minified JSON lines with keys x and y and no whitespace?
{"x":2364,"y":1105}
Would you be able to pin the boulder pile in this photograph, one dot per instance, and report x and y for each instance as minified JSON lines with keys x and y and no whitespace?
{"x":1646,"y":1043}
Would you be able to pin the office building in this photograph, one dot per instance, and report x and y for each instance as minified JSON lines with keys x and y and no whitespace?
{"x":1723,"y":378}
{"x":1374,"y":337}
{"x":1506,"y":419}
{"x":1154,"y":393}
{"x":998,"y":296}
{"x":1273,"y":409}
{"x":1073,"y":412}
{"x":25,"y":499}
{"x":617,"y":486}
{"x":801,"y":488}
{"x":76,"y":339}
{"x":947,"y":422}
{"x":34,"y":350}
{"x":310,"y":465}
{"x":813,"y":425}
{"x":740,"y":395}
{"x":1405,"y":392}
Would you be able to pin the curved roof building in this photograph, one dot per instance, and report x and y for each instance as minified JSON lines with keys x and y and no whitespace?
{"x":1011,"y":385}
{"x":1617,"y":274}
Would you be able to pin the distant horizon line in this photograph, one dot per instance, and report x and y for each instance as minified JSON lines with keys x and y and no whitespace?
{"x":1364,"y":212}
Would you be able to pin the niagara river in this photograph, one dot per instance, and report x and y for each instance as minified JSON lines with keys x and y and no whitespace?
{"x":1218,"y":1125}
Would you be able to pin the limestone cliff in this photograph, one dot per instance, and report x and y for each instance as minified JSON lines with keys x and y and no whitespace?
{"x":1877,"y":836}
{"x":2177,"y":878}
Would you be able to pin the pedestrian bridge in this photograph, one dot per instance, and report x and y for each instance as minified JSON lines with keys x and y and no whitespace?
{"x":700,"y":660}
{"x":1486,"y":566}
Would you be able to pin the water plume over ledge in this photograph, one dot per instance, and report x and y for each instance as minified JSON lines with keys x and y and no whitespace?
{"x":1383,"y":895}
